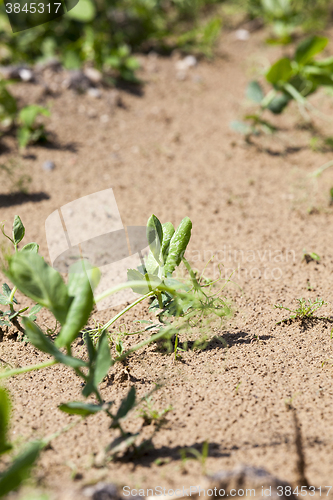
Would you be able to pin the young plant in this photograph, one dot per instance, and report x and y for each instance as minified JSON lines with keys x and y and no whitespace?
{"x":30,"y":130}
{"x":196,"y":455}
{"x":310,"y":256}
{"x":286,"y":17}
{"x":7,"y":297}
{"x":150,"y":415}
{"x":71,"y":305}
{"x":305,"y":310}
{"x":292,"y":79}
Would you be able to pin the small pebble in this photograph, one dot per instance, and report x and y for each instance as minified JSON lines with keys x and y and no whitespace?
{"x":26,"y":74}
{"x":48,"y":165}
{"x":93,"y":92}
{"x":242,"y":35}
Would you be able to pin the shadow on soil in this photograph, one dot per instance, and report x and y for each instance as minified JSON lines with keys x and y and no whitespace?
{"x":8,"y":200}
{"x":307,"y":323}
{"x":167,"y":454}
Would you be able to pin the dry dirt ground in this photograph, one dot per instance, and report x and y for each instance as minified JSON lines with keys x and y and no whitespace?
{"x":170,"y":151}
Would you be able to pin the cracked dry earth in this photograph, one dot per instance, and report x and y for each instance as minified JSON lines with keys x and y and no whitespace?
{"x":171,"y":152}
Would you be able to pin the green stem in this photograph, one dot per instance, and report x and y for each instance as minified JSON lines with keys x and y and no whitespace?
{"x":192,"y":275}
{"x":268,"y":99}
{"x":124,"y":311}
{"x":26,"y":369}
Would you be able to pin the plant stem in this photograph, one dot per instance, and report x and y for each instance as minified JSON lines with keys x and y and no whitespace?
{"x":124,"y":311}
{"x":25,"y":369}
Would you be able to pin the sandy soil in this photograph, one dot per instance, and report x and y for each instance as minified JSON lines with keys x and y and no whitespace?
{"x":170,"y":151}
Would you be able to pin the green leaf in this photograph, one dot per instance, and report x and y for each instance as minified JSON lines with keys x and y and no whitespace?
{"x":79,"y":311}
{"x":168,"y":232}
{"x":23,"y":136}
{"x":18,"y":230}
{"x":146,"y":283}
{"x":278,"y":103}
{"x":154,"y":236}
{"x":79,"y":408}
{"x":255,"y":92}
{"x":241,"y":127}
{"x":30,"y":247}
{"x":103,"y":359}
{"x":178,"y":244}
{"x":6,"y":290}
{"x":4,"y":300}
{"x":126,"y":404}
{"x":19,"y":470}
{"x":309,"y":48}
{"x":33,"y":311}
{"x":90,"y":347}
{"x":39,"y":281}
{"x":28,"y":114}
{"x":122,"y":443}
{"x":4,"y":323}
{"x":5,"y":407}
{"x":280,"y":72}
{"x":44,"y":344}
{"x":151,"y":265}
{"x":84,"y":11}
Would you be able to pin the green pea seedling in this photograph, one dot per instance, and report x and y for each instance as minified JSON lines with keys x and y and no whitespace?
{"x":7,"y":297}
{"x":71,"y":305}
{"x":292,"y":79}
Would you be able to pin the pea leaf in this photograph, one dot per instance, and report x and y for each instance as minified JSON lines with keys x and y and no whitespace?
{"x":146,"y":282}
{"x":79,"y":408}
{"x":18,"y":230}
{"x":81,"y":306}
{"x":309,"y":48}
{"x":122,"y":443}
{"x":4,"y":420}
{"x":30,"y":247}
{"x":19,"y":470}
{"x":280,"y":72}
{"x":90,"y":347}
{"x":44,"y":344}
{"x":6,"y":290}
{"x":178,"y":244}
{"x":103,"y":359}
{"x":241,"y":127}
{"x":278,"y":103}
{"x":126,"y":404}
{"x":255,"y":92}
{"x":154,"y":236}
{"x":33,"y":311}
{"x":168,"y":232}
{"x":39,"y":281}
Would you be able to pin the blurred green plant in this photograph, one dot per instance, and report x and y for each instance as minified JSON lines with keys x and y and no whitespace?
{"x":105,"y":32}
{"x":29,"y":129}
{"x":292,"y":79}
{"x":19,"y":468}
{"x":287,"y":16}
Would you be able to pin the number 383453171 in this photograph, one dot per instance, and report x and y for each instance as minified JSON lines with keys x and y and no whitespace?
{"x":32,"y":8}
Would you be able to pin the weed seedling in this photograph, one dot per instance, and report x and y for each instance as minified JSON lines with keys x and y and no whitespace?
{"x":7,"y":297}
{"x":310,"y":256}
{"x":305,"y":310}
{"x":150,"y":415}
{"x":196,"y":455}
